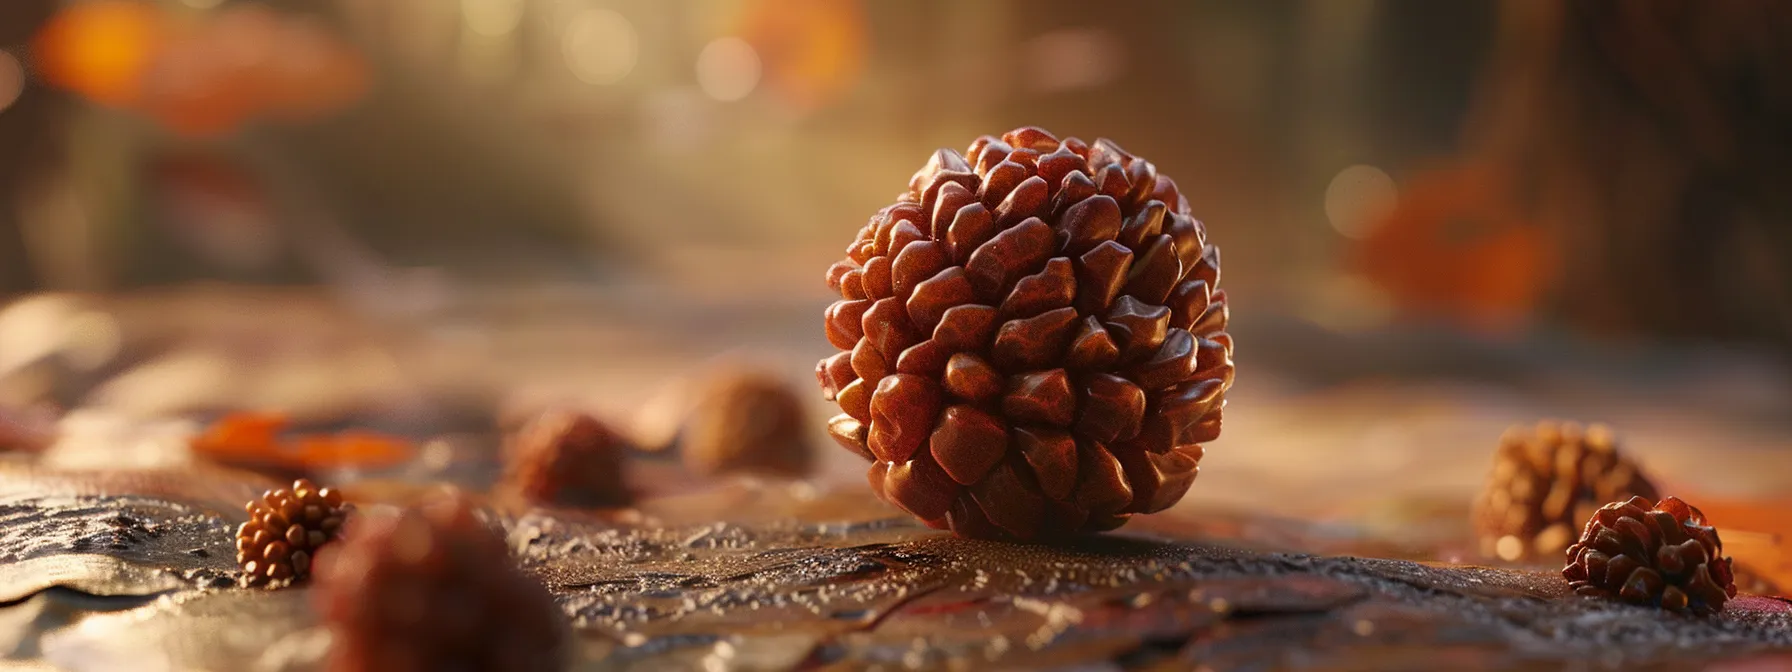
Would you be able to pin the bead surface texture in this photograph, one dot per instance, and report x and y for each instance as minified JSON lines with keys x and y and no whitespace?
{"x":1032,"y":340}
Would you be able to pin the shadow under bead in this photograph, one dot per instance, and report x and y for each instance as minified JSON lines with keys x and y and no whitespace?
{"x":1033,"y":341}
{"x":433,"y":588}
{"x":1545,"y":484}
{"x":278,"y":543}
{"x":567,"y":458}
{"x":1665,"y":555}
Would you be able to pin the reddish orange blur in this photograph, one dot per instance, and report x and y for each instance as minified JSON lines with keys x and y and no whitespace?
{"x":813,"y":51}
{"x":101,"y":49}
{"x":1755,"y":533}
{"x":1455,"y":248}
{"x":253,"y":439}
{"x":200,"y":75}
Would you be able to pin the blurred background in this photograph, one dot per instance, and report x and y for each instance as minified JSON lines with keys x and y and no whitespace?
{"x":428,"y":216}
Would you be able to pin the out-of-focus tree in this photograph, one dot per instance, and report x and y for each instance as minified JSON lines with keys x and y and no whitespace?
{"x":1649,"y":138}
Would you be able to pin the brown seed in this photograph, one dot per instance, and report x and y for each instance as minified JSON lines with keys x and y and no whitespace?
{"x":1051,"y":350}
{"x":747,"y":420}
{"x":1543,"y":477}
{"x":1663,"y":554}
{"x":566,"y":458}
{"x":276,"y":551}
{"x":472,"y":609}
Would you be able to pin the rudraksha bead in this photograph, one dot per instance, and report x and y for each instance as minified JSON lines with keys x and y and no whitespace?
{"x":1663,"y":554}
{"x":1033,"y":340}
{"x":433,"y":588}
{"x":1546,"y":482}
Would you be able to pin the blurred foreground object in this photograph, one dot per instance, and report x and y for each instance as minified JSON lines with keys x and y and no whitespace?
{"x":1650,"y":139}
{"x":284,"y":532}
{"x":254,"y":440}
{"x":749,"y":421}
{"x":1074,"y":367}
{"x":1546,"y":483}
{"x":200,"y":74}
{"x":1663,"y":554}
{"x":567,"y":458}
{"x":433,"y":589}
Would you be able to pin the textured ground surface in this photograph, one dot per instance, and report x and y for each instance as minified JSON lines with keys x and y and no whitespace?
{"x":1326,"y":532}
{"x":98,"y":577}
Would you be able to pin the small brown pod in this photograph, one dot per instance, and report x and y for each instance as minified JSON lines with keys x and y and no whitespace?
{"x":746,"y":421}
{"x":286,"y":527}
{"x":1665,"y":555}
{"x":433,"y":588}
{"x":567,"y":458}
{"x":1546,"y":482}
{"x":1032,"y":340}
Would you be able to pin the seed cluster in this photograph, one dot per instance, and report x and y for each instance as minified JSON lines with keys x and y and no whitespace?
{"x":286,"y":527}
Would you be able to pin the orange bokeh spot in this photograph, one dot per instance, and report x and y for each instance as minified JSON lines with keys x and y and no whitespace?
{"x":813,"y":50}
{"x":254,"y":439}
{"x":1456,"y":248}
{"x":101,"y":48}
{"x":204,"y":76}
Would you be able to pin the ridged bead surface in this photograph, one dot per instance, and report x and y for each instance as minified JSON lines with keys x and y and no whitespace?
{"x":1032,"y":340}
{"x":1665,"y":555}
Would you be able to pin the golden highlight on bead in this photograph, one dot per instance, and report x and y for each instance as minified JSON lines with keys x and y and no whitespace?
{"x":1033,"y":341}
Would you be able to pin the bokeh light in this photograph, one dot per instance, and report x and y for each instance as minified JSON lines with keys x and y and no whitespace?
{"x":1074,"y":58}
{"x":728,"y":69}
{"x":492,"y":18}
{"x":100,"y":49}
{"x":200,"y":75}
{"x":1360,"y":198}
{"x":600,"y":46}
{"x":811,"y":51}
{"x":12,"y":79}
